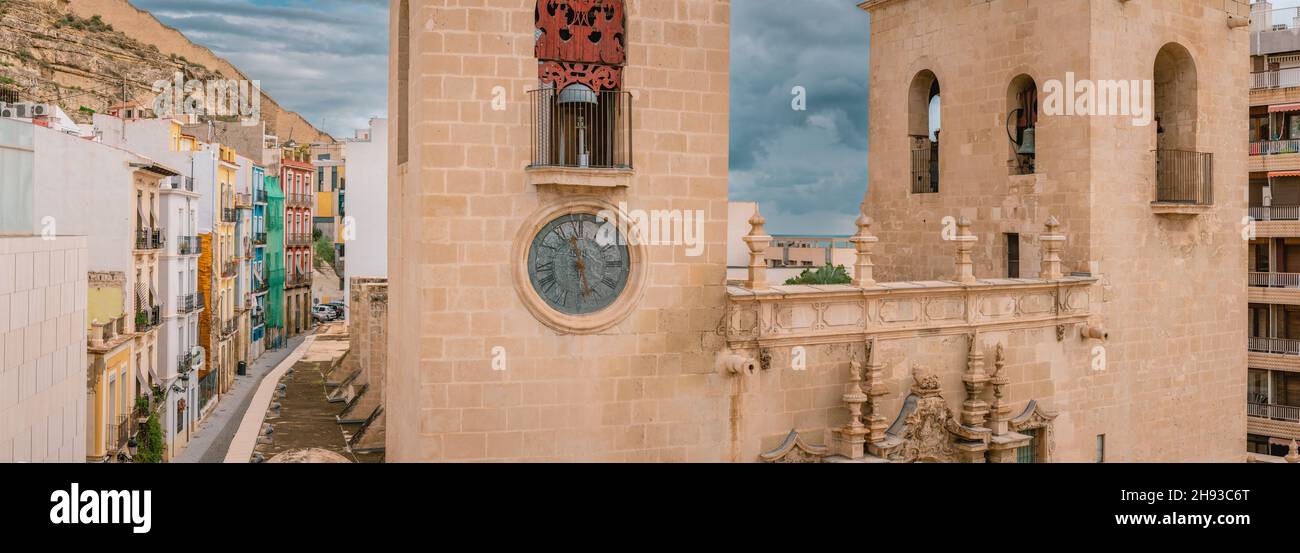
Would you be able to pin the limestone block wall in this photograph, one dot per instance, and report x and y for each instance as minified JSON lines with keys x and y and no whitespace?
{"x":43,"y":351}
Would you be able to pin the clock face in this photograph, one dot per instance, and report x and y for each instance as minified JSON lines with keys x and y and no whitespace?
{"x":579,"y":264}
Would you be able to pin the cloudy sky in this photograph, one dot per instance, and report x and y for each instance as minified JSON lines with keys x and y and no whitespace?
{"x":327,"y":59}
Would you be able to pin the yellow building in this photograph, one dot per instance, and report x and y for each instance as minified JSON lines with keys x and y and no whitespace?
{"x":110,"y":389}
{"x":224,"y":320}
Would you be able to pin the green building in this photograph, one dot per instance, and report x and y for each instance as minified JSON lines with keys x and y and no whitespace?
{"x":275,"y":262}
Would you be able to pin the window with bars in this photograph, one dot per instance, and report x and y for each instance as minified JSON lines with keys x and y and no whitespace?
{"x":1030,"y":452}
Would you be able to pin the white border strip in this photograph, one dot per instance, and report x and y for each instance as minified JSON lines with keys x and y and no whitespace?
{"x":241,"y":447}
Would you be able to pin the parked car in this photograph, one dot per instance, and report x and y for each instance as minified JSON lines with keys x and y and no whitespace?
{"x":322,"y":313}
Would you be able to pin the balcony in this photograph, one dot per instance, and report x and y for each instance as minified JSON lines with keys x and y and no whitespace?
{"x":229,"y":215}
{"x":147,"y":318}
{"x":1274,"y":155}
{"x":189,"y":303}
{"x":1276,"y":346}
{"x":185,"y":362}
{"x":229,"y":269}
{"x":150,"y":239}
{"x":178,"y":182}
{"x":297,"y":280}
{"x":243,"y":201}
{"x":189,"y":245}
{"x":297,"y":239}
{"x":298,"y":200}
{"x":1275,"y":280}
{"x":1184,"y":182}
{"x":581,"y":137}
{"x":925,"y":165}
{"x":1285,"y":413}
{"x":229,"y":328}
{"x":117,"y":435}
{"x":259,"y":196}
{"x":259,"y":238}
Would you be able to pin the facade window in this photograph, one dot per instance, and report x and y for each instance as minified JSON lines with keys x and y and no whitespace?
{"x":1030,"y":453}
{"x":1013,"y":255}
{"x":1022,"y":124}
{"x":1101,"y":448}
{"x":924,"y":116}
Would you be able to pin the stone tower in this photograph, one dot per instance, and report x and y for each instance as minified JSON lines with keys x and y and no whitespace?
{"x":522,"y":129}
{"x":1121,"y":119}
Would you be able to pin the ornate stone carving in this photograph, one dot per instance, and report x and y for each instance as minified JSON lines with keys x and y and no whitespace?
{"x":853,"y":434}
{"x":864,"y":242}
{"x":1001,"y":409}
{"x":965,"y":244}
{"x":795,"y":450}
{"x":927,"y":436}
{"x":758,"y":241}
{"x":596,"y":77}
{"x":1053,"y":242}
{"x":974,"y":410}
{"x":587,"y":31}
{"x":1035,"y":417}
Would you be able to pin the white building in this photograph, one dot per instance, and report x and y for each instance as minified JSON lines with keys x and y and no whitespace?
{"x":187,"y":211}
{"x":76,"y":186}
{"x":365,"y":221}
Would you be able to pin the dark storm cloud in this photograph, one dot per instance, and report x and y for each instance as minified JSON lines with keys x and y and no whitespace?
{"x":325,"y":59}
{"x":808,"y":169}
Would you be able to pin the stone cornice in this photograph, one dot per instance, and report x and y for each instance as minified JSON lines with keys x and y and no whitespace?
{"x":819,"y":315}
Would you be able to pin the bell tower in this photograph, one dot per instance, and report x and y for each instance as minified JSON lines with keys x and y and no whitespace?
{"x":559,"y":199}
{"x":1121,"y":120}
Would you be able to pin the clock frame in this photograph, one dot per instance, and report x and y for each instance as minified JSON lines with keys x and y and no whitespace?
{"x":589,"y":323}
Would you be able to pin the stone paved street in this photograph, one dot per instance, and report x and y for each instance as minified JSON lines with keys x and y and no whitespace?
{"x":212,"y":440}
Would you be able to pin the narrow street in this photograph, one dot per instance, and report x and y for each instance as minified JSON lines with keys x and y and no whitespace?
{"x":212,"y":440}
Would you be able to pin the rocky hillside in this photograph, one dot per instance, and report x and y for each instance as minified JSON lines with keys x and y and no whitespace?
{"x":89,"y":53}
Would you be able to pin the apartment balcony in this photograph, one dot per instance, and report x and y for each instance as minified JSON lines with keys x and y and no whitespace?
{"x":1279,"y":288}
{"x":189,"y":245}
{"x":298,"y":200}
{"x":1274,"y":155}
{"x":259,"y":197}
{"x":106,"y":334}
{"x":147,"y":239}
{"x":229,"y":269}
{"x":189,"y":303}
{"x":581,"y":137}
{"x":229,"y":215}
{"x":297,"y":280}
{"x":1281,"y":86}
{"x":178,"y":182}
{"x":1278,"y":221}
{"x":229,"y":328}
{"x":297,"y":239}
{"x":243,"y":201}
{"x":1184,"y":177}
{"x":259,"y":238}
{"x":117,"y":435}
{"x":1285,"y":413}
{"x":148,"y":318}
{"x":257,"y":320}
{"x":186,"y":362}
{"x":1275,"y":346}
{"x":261,"y":286}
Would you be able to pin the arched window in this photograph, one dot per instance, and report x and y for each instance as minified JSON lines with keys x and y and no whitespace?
{"x":1022,"y":124}
{"x":1183,"y":174}
{"x":923,"y":112}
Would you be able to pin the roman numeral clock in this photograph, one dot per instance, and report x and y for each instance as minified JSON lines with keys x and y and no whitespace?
{"x":575,"y":267}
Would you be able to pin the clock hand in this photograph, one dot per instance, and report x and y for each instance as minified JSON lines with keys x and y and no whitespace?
{"x":582,"y":265}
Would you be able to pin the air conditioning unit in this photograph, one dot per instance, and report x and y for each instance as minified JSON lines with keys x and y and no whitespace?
{"x":8,"y":111}
{"x":21,"y":111}
{"x":40,"y":110}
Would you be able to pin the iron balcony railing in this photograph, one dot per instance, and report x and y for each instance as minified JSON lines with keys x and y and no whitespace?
{"x":259,"y":196}
{"x":297,"y":279}
{"x":207,"y":389}
{"x":1274,"y":147}
{"x":244,"y":201}
{"x":118,"y":434}
{"x":228,"y":215}
{"x":147,"y":318}
{"x":1279,"y":346}
{"x":259,"y":238}
{"x":185,"y":362}
{"x":1274,"y":280}
{"x":229,"y":268}
{"x":579,"y":127}
{"x":189,"y":245}
{"x":297,"y":239}
{"x":187,"y":303}
{"x":1286,"y":413}
{"x":925,"y":165}
{"x":150,"y":239}
{"x":1184,"y":177}
{"x":298,"y":200}
{"x":1275,"y":213}
{"x":257,"y":320}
